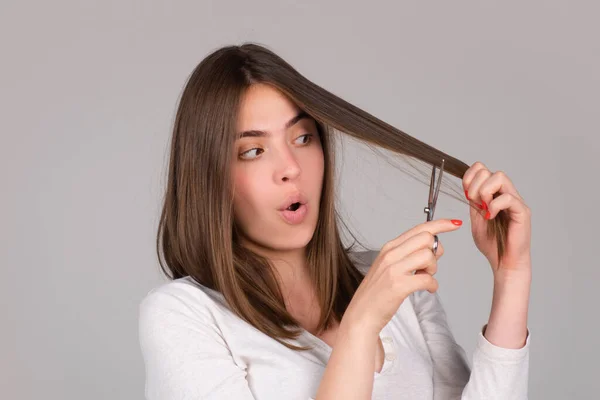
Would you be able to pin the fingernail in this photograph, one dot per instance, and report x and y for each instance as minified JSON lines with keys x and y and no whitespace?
{"x":487,"y":215}
{"x":467,"y":194}
{"x":457,"y":222}
{"x":485,"y":207}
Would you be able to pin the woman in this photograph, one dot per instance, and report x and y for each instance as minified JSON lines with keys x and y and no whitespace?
{"x":265,"y":302}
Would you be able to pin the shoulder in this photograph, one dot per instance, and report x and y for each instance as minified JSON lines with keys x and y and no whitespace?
{"x":180,"y":299}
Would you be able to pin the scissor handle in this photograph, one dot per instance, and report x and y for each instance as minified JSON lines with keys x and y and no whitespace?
{"x":429,"y":212}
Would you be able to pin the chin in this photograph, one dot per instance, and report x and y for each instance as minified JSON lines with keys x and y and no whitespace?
{"x":297,"y":239}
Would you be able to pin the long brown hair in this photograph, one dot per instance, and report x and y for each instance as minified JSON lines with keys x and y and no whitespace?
{"x":197,"y":232}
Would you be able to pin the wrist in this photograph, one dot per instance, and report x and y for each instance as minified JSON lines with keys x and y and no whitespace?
{"x":512,"y":278}
{"x":507,"y":325}
{"x":357,"y":330}
{"x":518,"y":272}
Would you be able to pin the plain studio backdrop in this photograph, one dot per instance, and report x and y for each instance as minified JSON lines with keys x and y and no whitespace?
{"x":88,"y":92}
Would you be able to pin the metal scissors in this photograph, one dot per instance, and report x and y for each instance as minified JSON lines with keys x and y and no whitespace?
{"x":433,"y":195}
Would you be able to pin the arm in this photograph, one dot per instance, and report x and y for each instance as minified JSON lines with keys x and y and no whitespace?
{"x":497,"y":373}
{"x":349,"y":372}
{"x":507,"y":326}
{"x":184,"y":354}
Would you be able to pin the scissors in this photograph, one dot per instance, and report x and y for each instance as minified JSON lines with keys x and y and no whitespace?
{"x":431,"y":203}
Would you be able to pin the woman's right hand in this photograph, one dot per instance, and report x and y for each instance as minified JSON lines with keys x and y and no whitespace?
{"x":404,"y":265}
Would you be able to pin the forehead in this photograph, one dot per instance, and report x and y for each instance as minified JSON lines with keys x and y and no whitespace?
{"x":265,"y":108}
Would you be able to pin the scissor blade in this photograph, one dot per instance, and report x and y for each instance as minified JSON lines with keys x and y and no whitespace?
{"x":432,"y":181}
{"x":437,"y":189}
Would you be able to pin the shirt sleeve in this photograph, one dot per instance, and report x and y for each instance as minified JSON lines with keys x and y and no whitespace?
{"x":184,"y":353}
{"x":497,"y":373}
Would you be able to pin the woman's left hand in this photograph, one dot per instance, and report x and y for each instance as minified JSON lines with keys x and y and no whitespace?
{"x":480,"y":186}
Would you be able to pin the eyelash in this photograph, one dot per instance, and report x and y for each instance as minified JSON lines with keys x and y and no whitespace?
{"x":309,"y":135}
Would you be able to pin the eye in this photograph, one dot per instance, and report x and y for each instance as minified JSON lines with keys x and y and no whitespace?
{"x":308,"y":137}
{"x":242,"y":155}
{"x":248,"y":151}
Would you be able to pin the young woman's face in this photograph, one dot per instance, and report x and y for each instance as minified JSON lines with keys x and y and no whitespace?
{"x":268,"y":169}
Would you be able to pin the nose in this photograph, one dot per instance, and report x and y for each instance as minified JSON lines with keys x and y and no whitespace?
{"x":288,"y":167}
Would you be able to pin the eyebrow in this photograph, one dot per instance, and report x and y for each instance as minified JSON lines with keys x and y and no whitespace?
{"x":258,"y":133}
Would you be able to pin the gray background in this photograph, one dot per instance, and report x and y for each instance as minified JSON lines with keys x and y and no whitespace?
{"x":88,"y":94}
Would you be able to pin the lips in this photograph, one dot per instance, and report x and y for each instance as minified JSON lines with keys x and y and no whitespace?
{"x":291,"y":199}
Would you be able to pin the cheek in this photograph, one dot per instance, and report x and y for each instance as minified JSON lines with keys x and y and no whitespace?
{"x":240,"y":183}
{"x":316,"y":164}
{"x":247,"y":191}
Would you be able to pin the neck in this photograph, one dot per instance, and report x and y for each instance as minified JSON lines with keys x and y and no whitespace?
{"x":299,"y":292}
{"x":291,"y":268}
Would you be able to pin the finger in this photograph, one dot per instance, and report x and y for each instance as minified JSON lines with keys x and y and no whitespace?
{"x":434,"y":227}
{"x":422,"y":282}
{"x":470,"y":175}
{"x":498,"y":182}
{"x":518,"y":211}
{"x":480,"y":177}
{"x":420,"y":260}
{"x":422,"y":240}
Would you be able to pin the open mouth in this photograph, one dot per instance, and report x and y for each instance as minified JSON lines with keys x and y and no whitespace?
{"x":293,"y":207}
{"x":295,"y":213}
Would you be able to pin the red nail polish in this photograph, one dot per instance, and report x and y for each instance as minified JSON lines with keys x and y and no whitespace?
{"x":467,"y":194}
{"x":479,"y":206}
{"x":485,"y":207}
{"x":457,"y":222}
{"x":487,"y":215}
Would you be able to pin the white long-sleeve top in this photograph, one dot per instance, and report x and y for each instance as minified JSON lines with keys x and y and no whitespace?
{"x":194,"y":347}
